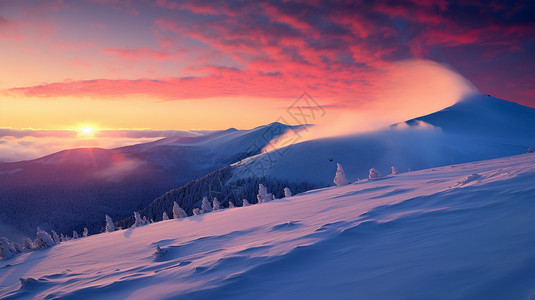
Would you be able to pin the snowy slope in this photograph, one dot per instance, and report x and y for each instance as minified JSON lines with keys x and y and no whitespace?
{"x":455,"y":232}
{"x":476,"y":128}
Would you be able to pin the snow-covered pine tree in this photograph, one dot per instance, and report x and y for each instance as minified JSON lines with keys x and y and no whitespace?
{"x":231,"y":204}
{"x":138,"y":221}
{"x":263,"y":195}
{"x":340,"y":177}
{"x":262,"y":192}
{"x":245,"y":203}
{"x":27,"y":244}
{"x":165,"y":216}
{"x":62,"y":238}
{"x":206,"y":207}
{"x":7,"y":249}
{"x":17,"y":247}
{"x":287,"y":192}
{"x":109,"y":224}
{"x":178,"y":212}
{"x":196,"y":211}
{"x":394,"y":171}
{"x":217,"y":204}
{"x":86,"y":232}
{"x":74,"y":234}
{"x":56,"y":238}
{"x":374,"y":174}
{"x":43,"y":240}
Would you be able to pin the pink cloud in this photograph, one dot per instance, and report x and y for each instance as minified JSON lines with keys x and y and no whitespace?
{"x":219,"y":82}
{"x":333,"y":49}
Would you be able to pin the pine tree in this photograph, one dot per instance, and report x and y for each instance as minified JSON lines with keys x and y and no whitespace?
{"x":374,"y":174}
{"x":56,"y":238}
{"x":245,"y":203}
{"x":7,"y":250}
{"x":109,"y":224}
{"x":43,"y":240}
{"x":27,"y":244}
{"x":17,"y":247}
{"x":262,"y":192}
{"x":196,"y":211}
{"x":394,"y":171}
{"x":138,"y":221}
{"x":178,"y":212}
{"x":340,"y":178}
{"x":231,"y":204}
{"x":263,"y":195}
{"x":165,"y":216}
{"x":86,"y":232}
{"x":287,"y":192}
{"x":205,"y":206}
{"x":217,"y":205}
{"x":74,"y":234}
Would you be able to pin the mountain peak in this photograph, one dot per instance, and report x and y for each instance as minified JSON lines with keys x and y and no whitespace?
{"x":483,"y":115}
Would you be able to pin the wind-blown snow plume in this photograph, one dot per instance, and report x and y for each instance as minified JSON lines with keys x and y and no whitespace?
{"x":407,"y":89}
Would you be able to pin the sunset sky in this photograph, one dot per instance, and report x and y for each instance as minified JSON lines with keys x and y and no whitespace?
{"x":155,"y":66}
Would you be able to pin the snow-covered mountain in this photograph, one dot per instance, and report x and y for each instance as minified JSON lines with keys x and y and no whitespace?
{"x":80,"y":185}
{"x":73,"y":189}
{"x":476,"y":128}
{"x":456,"y":232}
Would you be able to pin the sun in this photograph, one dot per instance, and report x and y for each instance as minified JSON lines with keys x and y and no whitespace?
{"x":86,"y":130}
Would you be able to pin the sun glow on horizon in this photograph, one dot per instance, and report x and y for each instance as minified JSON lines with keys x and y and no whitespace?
{"x":87,"y":130}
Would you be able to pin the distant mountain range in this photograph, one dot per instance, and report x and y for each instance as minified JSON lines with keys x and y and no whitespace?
{"x":73,"y":189}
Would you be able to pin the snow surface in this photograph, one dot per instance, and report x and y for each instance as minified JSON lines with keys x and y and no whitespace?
{"x":456,"y":232}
